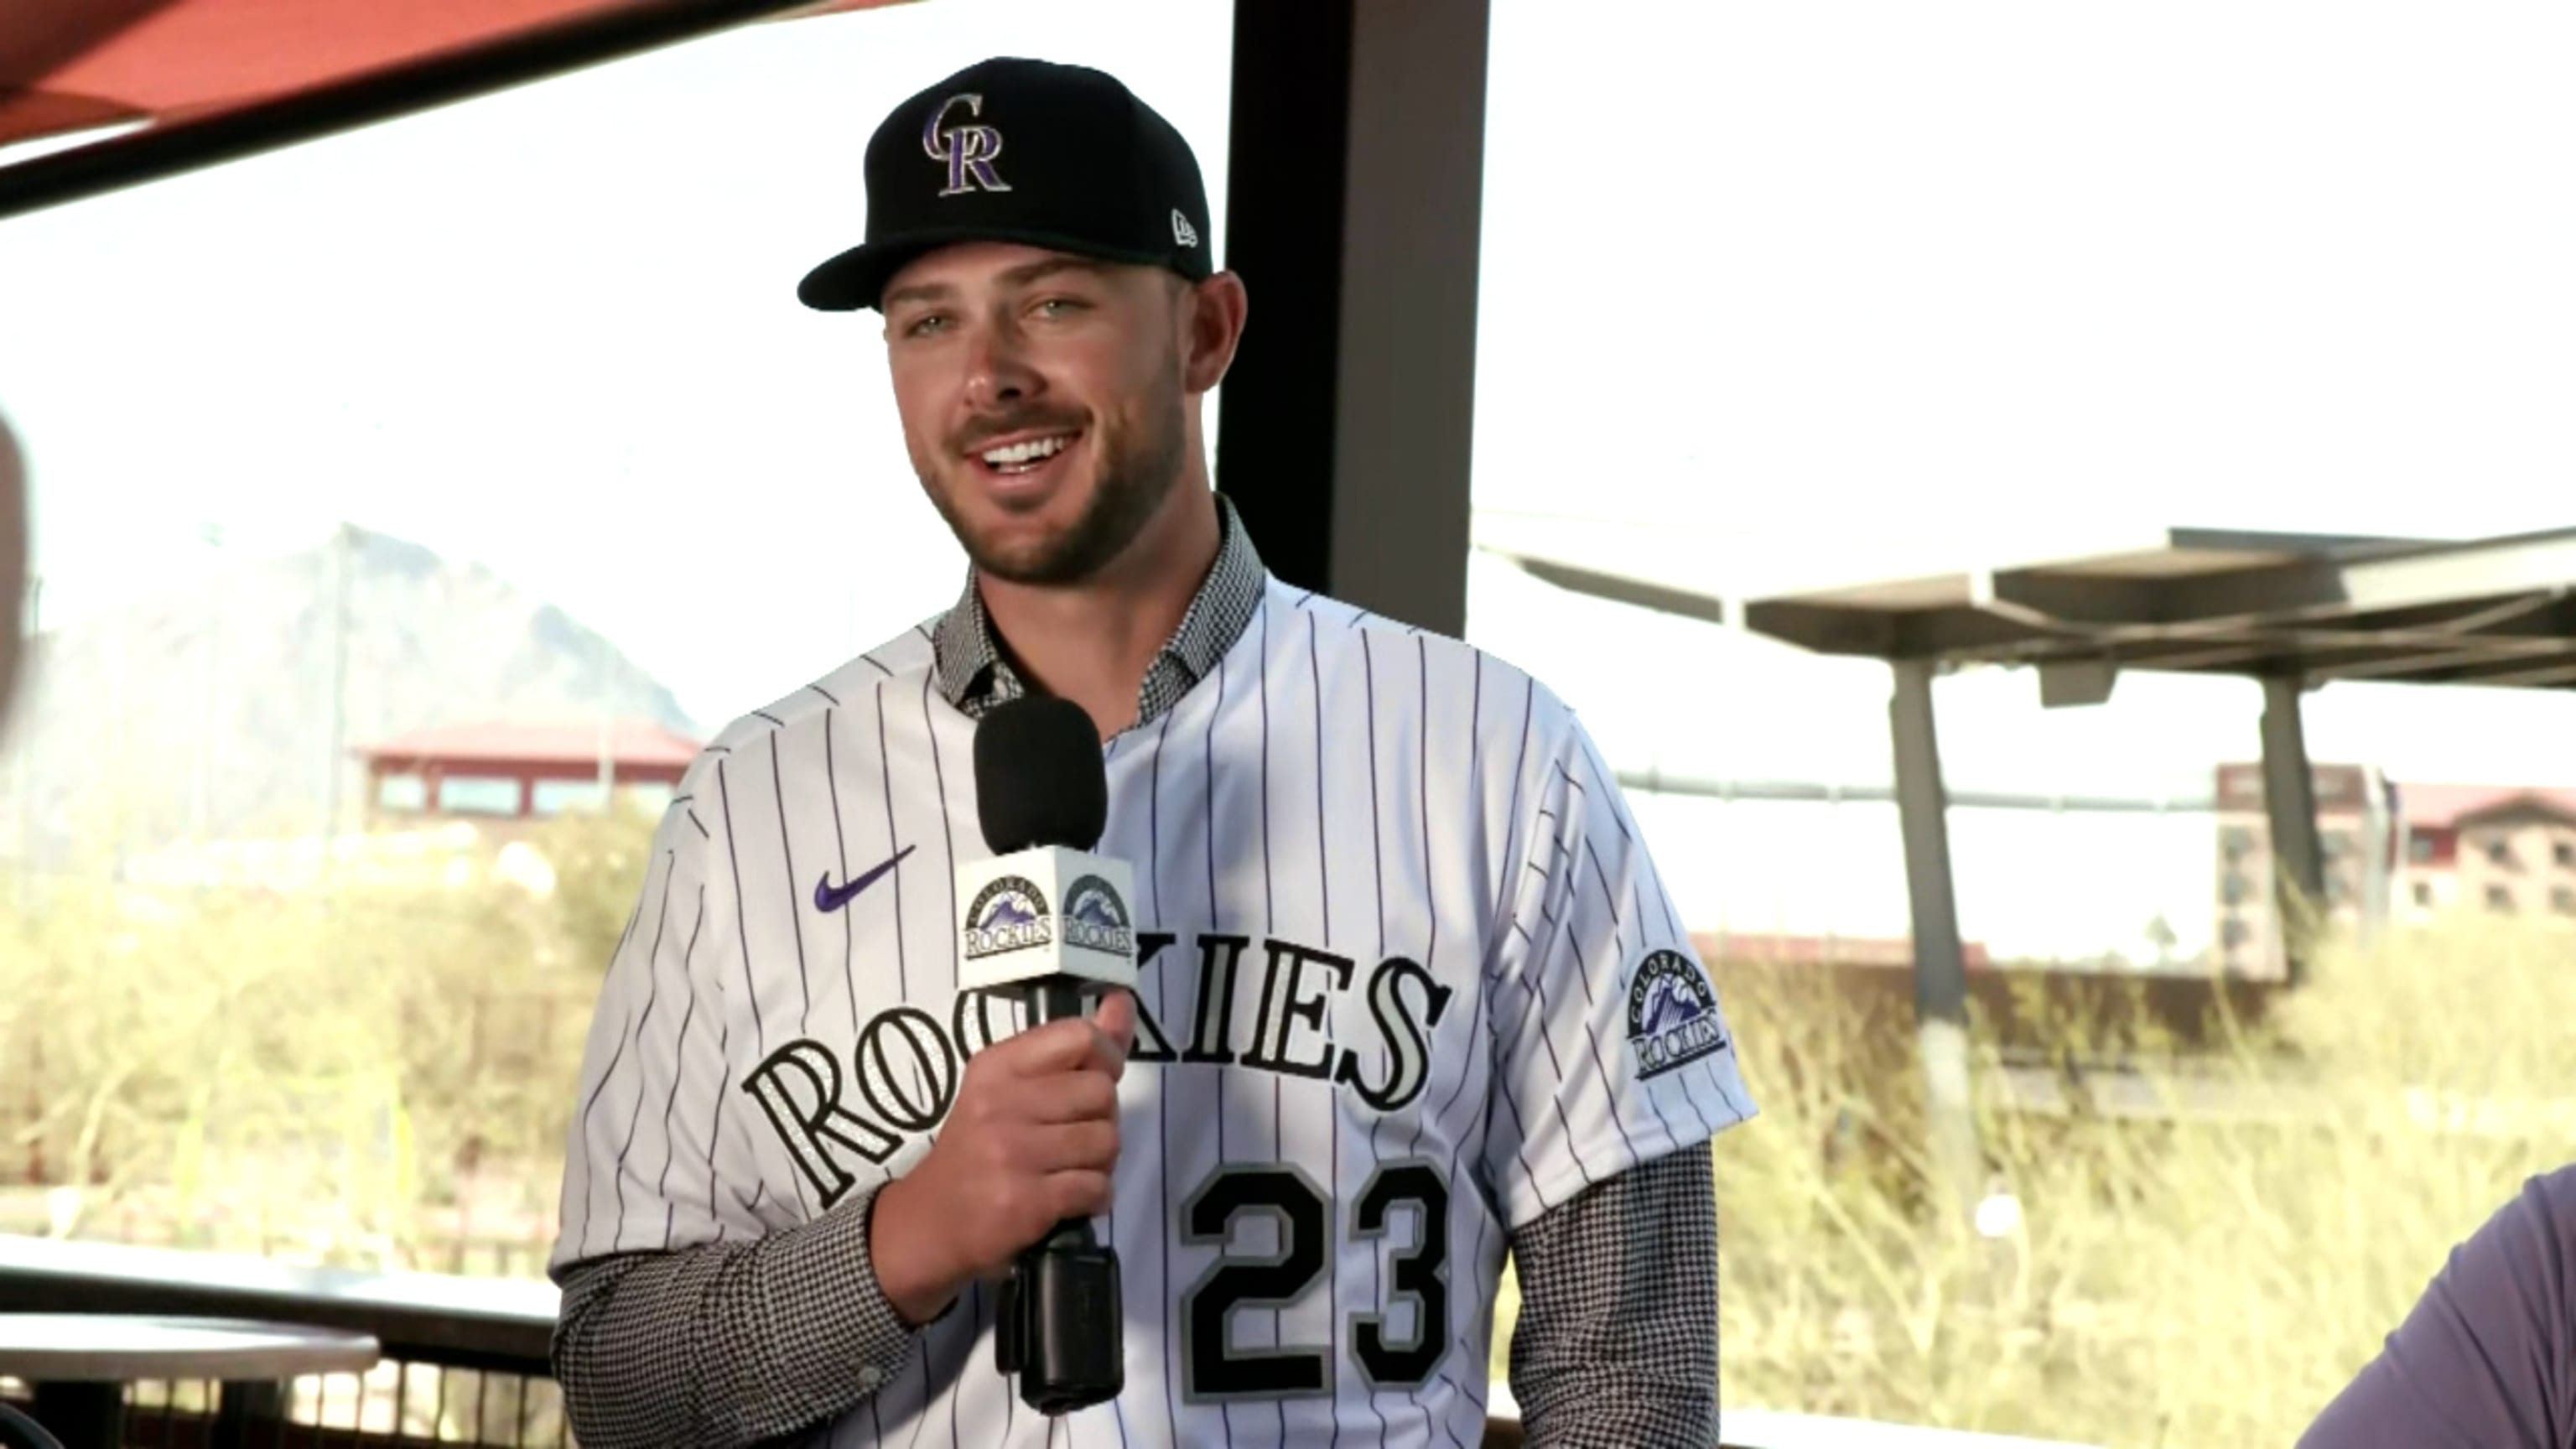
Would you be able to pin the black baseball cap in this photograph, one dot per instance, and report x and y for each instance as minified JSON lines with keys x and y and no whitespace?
{"x":1056,"y":156}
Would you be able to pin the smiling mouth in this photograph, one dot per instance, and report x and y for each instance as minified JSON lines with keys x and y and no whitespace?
{"x":1026,"y":455}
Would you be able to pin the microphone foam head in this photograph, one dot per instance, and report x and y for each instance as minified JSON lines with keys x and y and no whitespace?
{"x":1039,"y":779}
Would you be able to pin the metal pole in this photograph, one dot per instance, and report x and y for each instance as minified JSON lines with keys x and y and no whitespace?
{"x":2290,"y":800}
{"x":1940,"y":963}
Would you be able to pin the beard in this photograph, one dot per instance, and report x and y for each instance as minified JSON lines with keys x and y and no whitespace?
{"x":1137,"y":470}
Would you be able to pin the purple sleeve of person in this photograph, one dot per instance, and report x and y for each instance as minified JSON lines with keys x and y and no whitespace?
{"x":2487,"y":1357}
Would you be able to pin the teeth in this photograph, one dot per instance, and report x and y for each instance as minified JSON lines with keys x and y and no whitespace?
{"x":1028,"y":452}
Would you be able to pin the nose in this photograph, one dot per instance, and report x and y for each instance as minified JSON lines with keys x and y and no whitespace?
{"x":999,"y":377}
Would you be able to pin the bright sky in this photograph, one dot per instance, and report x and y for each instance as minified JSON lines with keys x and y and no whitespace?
{"x":1831,"y":290}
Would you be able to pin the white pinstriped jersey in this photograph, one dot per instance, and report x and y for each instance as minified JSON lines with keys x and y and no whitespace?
{"x":1408,"y":980}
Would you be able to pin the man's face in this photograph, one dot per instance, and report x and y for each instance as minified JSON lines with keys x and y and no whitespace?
{"x":1042,"y":402}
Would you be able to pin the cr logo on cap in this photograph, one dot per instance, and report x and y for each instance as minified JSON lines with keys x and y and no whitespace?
{"x":968,"y":150}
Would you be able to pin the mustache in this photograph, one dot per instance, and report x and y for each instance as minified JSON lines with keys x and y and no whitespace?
{"x":975,"y":435}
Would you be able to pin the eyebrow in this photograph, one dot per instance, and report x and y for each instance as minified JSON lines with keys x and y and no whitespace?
{"x":1023,"y":275}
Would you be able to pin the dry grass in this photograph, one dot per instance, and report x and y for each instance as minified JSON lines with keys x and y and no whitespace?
{"x":2206,"y":1280}
{"x":329,"y":1076}
{"x":321,"y":1080}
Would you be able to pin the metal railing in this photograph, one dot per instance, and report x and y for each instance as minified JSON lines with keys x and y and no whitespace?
{"x":465,"y":1359}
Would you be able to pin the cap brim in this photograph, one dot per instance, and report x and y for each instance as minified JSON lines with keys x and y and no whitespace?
{"x":857,"y":278}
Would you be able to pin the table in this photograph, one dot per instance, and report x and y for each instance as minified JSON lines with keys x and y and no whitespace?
{"x":79,"y":1363}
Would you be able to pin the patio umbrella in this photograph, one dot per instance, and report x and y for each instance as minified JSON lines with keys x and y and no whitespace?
{"x":134,"y":90}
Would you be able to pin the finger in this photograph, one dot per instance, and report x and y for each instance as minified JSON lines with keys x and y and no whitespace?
{"x":1058,"y":1046}
{"x":1116,"y":1023}
{"x":1078,"y":1194}
{"x":1071,"y":1146}
{"x":1081,"y":1097}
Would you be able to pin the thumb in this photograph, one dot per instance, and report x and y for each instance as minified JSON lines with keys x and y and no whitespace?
{"x":1116,"y":1021}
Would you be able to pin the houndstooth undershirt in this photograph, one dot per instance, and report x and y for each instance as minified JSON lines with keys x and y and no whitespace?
{"x":734,"y":1344}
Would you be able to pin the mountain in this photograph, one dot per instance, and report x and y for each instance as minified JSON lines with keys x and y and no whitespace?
{"x":218,"y":701}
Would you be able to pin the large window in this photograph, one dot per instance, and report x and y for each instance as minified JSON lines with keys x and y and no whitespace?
{"x":479,"y":795}
{"x":402,"y":793}
{"x":1792,"y":298}
{"x":455,"y":437}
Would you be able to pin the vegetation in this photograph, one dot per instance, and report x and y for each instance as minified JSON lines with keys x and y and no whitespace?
{"x":2210,"y":1275}
{"x":378,"y":1075}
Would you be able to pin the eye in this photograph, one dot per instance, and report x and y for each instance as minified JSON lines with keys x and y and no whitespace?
{"x":926,"y":324}
{"x":1060,"y":307}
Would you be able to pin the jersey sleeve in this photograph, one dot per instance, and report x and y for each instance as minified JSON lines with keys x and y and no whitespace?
{"x":1610,"y":1046}
{"x":652,"y":1155}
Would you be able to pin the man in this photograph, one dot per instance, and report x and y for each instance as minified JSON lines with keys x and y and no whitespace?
{"x":1410,"y":991}
{"x":2487,"y":1357}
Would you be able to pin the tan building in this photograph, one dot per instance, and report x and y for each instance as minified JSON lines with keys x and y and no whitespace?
{"x":2500,"y":848}
{"x":2352,"y":811}
{"x":2505,"y":849}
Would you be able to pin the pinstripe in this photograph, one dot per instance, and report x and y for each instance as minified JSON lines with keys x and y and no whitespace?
{"x":742,"y":922}
{"x":679,"y":1069}
{"x":1431,"y":939}
{"x":1162,"y":1003}
{"x":724,"y":1019}
{"x":885,"y":762}
{"x":1511,"y":1099}
{"x":590,"y":1182}
{"x":1377,"y":855}
{"x":1618,"y":939}
{"x":841,"y":854}
{"x":1572,"y":826}
{"x":1324,"y":894}
{"x":1269,"y":926}
{"x":970,"y":1327}
{"x":652,"y":993}
{"x":578,"y":1164}
{"x":1534,"y":980}
{"x":1226,"y":1001}
{"x":1600,"y":768}
{"x":787,"y":859}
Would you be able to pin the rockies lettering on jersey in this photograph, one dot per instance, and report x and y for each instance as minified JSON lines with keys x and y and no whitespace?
{"x":1407,"y":979}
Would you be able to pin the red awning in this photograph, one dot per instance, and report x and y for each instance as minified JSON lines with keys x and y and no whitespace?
{"x":195,"y":81}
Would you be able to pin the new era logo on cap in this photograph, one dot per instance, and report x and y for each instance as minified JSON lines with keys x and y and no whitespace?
{"x":1060,"y":157}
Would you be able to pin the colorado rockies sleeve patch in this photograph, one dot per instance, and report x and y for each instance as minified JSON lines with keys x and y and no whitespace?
{"x":1672,"y":1013}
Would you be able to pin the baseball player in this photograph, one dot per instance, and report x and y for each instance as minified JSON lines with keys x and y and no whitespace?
{"x":1411,"y":996}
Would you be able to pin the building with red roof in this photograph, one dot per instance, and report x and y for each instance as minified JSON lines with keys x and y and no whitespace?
{"x":2508,"y":849}
{"x":522,"y":769}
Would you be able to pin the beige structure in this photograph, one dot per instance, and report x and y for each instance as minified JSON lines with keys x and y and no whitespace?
{"x":2496,"y":848}
{"x":2506,"y":850}
{"x":2352,"y":812}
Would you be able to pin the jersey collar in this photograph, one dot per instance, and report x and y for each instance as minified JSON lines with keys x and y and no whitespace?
{"x":975,"y":676}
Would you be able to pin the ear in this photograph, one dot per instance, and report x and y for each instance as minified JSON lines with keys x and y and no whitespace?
{"x":1212,"y":316}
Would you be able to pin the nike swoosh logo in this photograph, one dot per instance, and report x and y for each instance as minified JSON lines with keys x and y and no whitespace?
{"x":827,"y":897}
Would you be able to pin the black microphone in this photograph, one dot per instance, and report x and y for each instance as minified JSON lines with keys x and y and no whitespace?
{"x":1048,"y":920}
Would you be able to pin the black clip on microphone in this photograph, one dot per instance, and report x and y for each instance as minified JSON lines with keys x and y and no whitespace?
{"x":1040,"y":783}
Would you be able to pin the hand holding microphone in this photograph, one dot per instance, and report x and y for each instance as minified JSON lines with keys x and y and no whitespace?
{"x":1023,"y":1162}
{"x":1029,"y":1142}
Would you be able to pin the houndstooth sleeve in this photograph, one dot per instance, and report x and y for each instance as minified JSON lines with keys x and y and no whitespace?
{"x":1616,"y":1346}
{"x":727,"y":1344}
